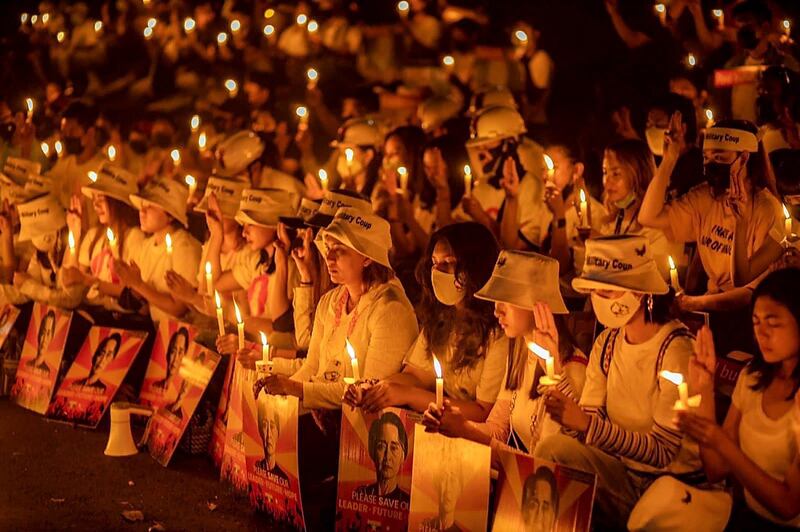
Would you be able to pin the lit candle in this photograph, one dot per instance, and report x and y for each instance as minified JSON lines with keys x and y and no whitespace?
{"x":222,"y":38}
{"x":521,"y":37}
{"x":269,"y":30}
{"x":787,"y":222}
{"x":448,"y":61}
{"x":176,"y":156}
{"x":195,"y":123}
{"x":112,"y":239}
{"x":45,"y":149}
{"x":112,"y":153}
{"x":151,"y":22}
{"x":239,"y":324}
{"x":403,"y":8}
{"x":209,"y":278}
{"x":691,"y":60}
{"x":235,"y":25}
{"x":98,"y":26}
{"x":302,"y":114}
{"x":673,"y":276}
{"x":348,"y":155}
{"x":313,"y":26}
{"x":683,"y":388}
{"x":232,"y":87}
{"x":192,"y":183}
{"x":265,"y":365}
{"x":403,"y":173}
{"x":786,"y":26}
{"x":720,"y":16}
{"x":584,"y":209}
{"x":23,"y":18}
{"x":467,"y":181}
{"x":353,"y":360}
{"x":323,"y":179}
{"x":220,"y":321}
{"x":148,"y":32}
{"x":168,"y":241}
{"x":550,"y":378}
{"x":201,"y":141}
{"x":301,"y":19}
{"x":71,"y":242}
{"x":29,"y":104}
{"x":550,"y":166}
{"x":92,"y":175}
{"x":60,"y":36}
{"x":313,"y":77}
{"x":437,"y":367}
{"x":661,"y":11}
{"x":45,"y":18}
{"x":34,"y":19}
{"x":188,"y":25}
{"x":264,"y":347}
{"x":709,"y":118}
{"x":269,"y":13}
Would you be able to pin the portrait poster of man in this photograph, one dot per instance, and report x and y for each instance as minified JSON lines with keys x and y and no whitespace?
{"x":172,"y":342}
{"x":40,"y":360}
{"x":449,"y":484}
{"x":170,"y":421}
{"x":375,"y":464}
{"x":217,"y":444}
{"x":234,"y":467}
{"x":270,"y":432}
{"x":537,"y":496}
{"x":95,"y":375}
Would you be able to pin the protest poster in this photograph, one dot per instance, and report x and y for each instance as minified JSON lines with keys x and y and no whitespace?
{"x":171,"y":420}
{"x":375,"y":463}
{"x":538,"y":496}
{"x":217,"y":444}
{"x":172,"y":342}
{"x":8,"y":316}
{"x":95,"y":375}
{"x":449,"y":483}
{"x":234,"y":466}
{"x":270,"y":432}
{"x":40,"y":361}
{"x":9,"y":354}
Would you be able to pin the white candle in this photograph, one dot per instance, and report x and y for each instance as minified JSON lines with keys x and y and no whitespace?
{"x":584,"y":209}
{"x":683,"y":388}
{"x":550,"y":378}
{"x":209,"y":278}
{"x":323,"y":179}
{"x":437,"y":367}
{"x":349,"y":154}
{"x":29,"y":104}
{"x":709,"y":118}
{"x":403,"y":7}
{"x":195,"y":123}
{"x":402,"y":171}
{"x":168,"y":241}
{"x":192,"y":183}
{"x":720,"y":16}
{"x":302,"y":114}
{"x":201,"y":141}
{"x":71,"y":242}
{"x":467,"y":181}
{"x":313,"y":78}
{"x":239,"y":324}
{"x":661,"y":11}
{"x":353,"y":360}
{"x":112,"y":153}
{"x":673,"y":276}
{"x":220,"y":321}
{"x":787,"y":222}
{"x":549,"y":166}
{"x":176,"y":156}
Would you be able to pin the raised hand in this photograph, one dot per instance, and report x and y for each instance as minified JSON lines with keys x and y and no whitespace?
{"x":304,"y":258}
{"x":702,"y":366}
{"x":510,"y":181}
{"x":75,"y":216}
{"x":545,"y":332}
{"x":675,"y":137}
{"x":214,"y":216}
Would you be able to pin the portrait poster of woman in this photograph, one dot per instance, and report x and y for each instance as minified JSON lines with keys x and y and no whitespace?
{"x":234,"y":467}
{"x":40,"y":360}
{"x":538,"y":496}
{"x":217,"y":444}
{"x":270,"y":436}
{"x":375,"y":465}
{"x":449,"y":484}
{"x":172,"y":342}
{"x":95,"y":375}
{"x":189,"y":384}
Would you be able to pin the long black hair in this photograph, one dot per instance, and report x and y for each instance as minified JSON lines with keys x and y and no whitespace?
{"x":476,"y":251}
{"x":782,"y":286}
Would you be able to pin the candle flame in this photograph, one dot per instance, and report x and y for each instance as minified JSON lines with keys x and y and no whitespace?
{"x":60,"y":36}
{"x":23,"y":18}
{"x":112,"y":153}
{"x":437,"y":367}
{"x":264,"y":342}
{"x":350,"y":351}
{"x":313,"y":26}
{"x":201,"y":141}
{"x":71,"y":241}
{"x":467,"y":170}
{"x":671,"y":263}
{"x":195,"y":122}
{"x":98,"y":26}
{"x":29,"y":104}
{"x":786,"y":213}
{"x":583,"y":196}
{"x":217,"y":300}
{"x":45,"y":149}
{"x":208,"y":267}
{"x":403,"y":6}
{"x":176,"y":156}
{"x":230,"y":85}
{"x":312,"y":74}
{"x":323,"y":175}
{"x":235,"y":25}
{"x":188,"y":24}
{"x":238,"y":312}
{"x":302,"y":18}
{"x":168,"y":240}
{"x":661,"y":8}
{"x":521,"y":36}
{"x":539,"y":351}
{"x":190,"y":180}
{"x":151,"y":23}
{"x":402,"y":171}
{"x":222,"y":37}
{"x":92,"y":176}
{"x":45,"y":18}
{"x":269,"y":13}
{"x":349,"y":154}
{"x":301,"y":112}
{"x":674,"y":378}
{"x":110,"y":235}
{"x":717,"y":13}
{"x":448,"y":60}
{"x":58,"y":147}
{"x":269,"y":29}
{"x":709,"y":115}
{"x":548,"y":162}
{"x":691,"y":59}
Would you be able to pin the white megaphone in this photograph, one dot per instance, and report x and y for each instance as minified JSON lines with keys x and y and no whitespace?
{"x":120,"y":439}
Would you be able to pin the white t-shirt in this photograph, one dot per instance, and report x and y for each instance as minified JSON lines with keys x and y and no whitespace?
{"x":96,"y":254}
{"x":770,"y":443}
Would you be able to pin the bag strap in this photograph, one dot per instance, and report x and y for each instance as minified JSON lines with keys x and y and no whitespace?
{"x":607,"y":354}
{"x":680,"y":332}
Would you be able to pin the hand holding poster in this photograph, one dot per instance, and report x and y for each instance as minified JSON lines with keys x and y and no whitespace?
{"x":95,"y":375}
{"x":537,"y":496}
{"x":375,"y":463}
{"x":170,"y":421}
{"x":172,"y":342}
{"x":41,"y":357}
{"x":450,"y":484}
{"x":270,"y":427}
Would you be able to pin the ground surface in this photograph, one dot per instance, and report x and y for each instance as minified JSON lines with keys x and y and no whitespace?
{"x":56,"y":477}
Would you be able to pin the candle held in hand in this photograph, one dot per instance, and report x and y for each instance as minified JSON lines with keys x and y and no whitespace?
{"x":402,"y":171}
{"x":437,"y":367}
{"x":584,"y":210}
{"x":71,"y":242}
{"x":209,"y":278}
{"x":683,"y":388}
{"x":467,"y":180}
{"x":323,"y":179}
{"x":220,"y":321}
{"x":673,"y":276}
{"x":787,"y":222}
{"x":168,"y":242}
{"x":239,"y":324}
{"x":353,"y":360}
{"x":550,"y":378}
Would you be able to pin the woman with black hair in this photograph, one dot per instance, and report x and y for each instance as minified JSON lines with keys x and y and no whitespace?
{"x":757,"y":443}
{"x":457,"y":328}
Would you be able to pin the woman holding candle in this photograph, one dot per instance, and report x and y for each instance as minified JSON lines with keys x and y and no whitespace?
{"x":457,"y":328}
{"x":623,"y":429}
{"x":756,"y":443}
{"x":524,"y":289}
{"x":116,"y":238}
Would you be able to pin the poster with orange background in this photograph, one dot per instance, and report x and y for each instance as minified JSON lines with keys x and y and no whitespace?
{"x":375,"y":465}
{"x":95,"y":375}
{"x":172,"y":342}
{"x":234,"y":466}
{"x":450,"y":484}
{"x":217,"y":444}
{"x":41,"y":356}
{"x":8,"y":316}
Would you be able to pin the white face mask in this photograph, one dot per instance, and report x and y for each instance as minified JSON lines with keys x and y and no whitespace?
{"x":44,"y":243}
{"x":348,"y":170}
{"x":615,"y":313}
{"x":445,"y":289}
{"x":655,"y":139}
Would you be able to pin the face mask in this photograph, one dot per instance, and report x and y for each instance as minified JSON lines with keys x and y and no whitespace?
{"x":655,"y":139}
{"x":718,"y":176}
{"x":72,"y":145}
{"x":162,"y":140}
{"x":138,"y":146}
{"x":348,"y":170}
{"x":625,"y":202}
{"x":445,"y":289}
{"x":615,"y":313}
{"x":44,"y":243}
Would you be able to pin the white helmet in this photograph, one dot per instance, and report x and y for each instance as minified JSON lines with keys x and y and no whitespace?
{"x":495,"y":123}
{"x":491,"y":96}
{"x":237,"y":152}
{"x":359,"y":132}
{"x":435,"y":111}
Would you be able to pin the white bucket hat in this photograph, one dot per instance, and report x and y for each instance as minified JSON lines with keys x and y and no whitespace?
{"x":237,"y":152}
{"x":114,"y":182}
{"x":228,"y":193}
{"x":730,"y":139}
{"x":264,"y":207}
{"x":307,"y":209}
{"x":333,"y":201}
{"x":363,"y":232}
{"x":522,"y":279}
{"x":495,"y":122}
{"x":18,"y":169}
{"x":40,"y":216}
{"x":166,"y":194}
{"x":620,"y":262}
{"x":359,"y":132}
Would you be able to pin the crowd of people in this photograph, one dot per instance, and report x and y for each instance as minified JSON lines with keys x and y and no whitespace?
{"x":412,"y":181}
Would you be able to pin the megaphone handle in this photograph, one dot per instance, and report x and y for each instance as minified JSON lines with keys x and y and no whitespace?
{"x":145,"y":435}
